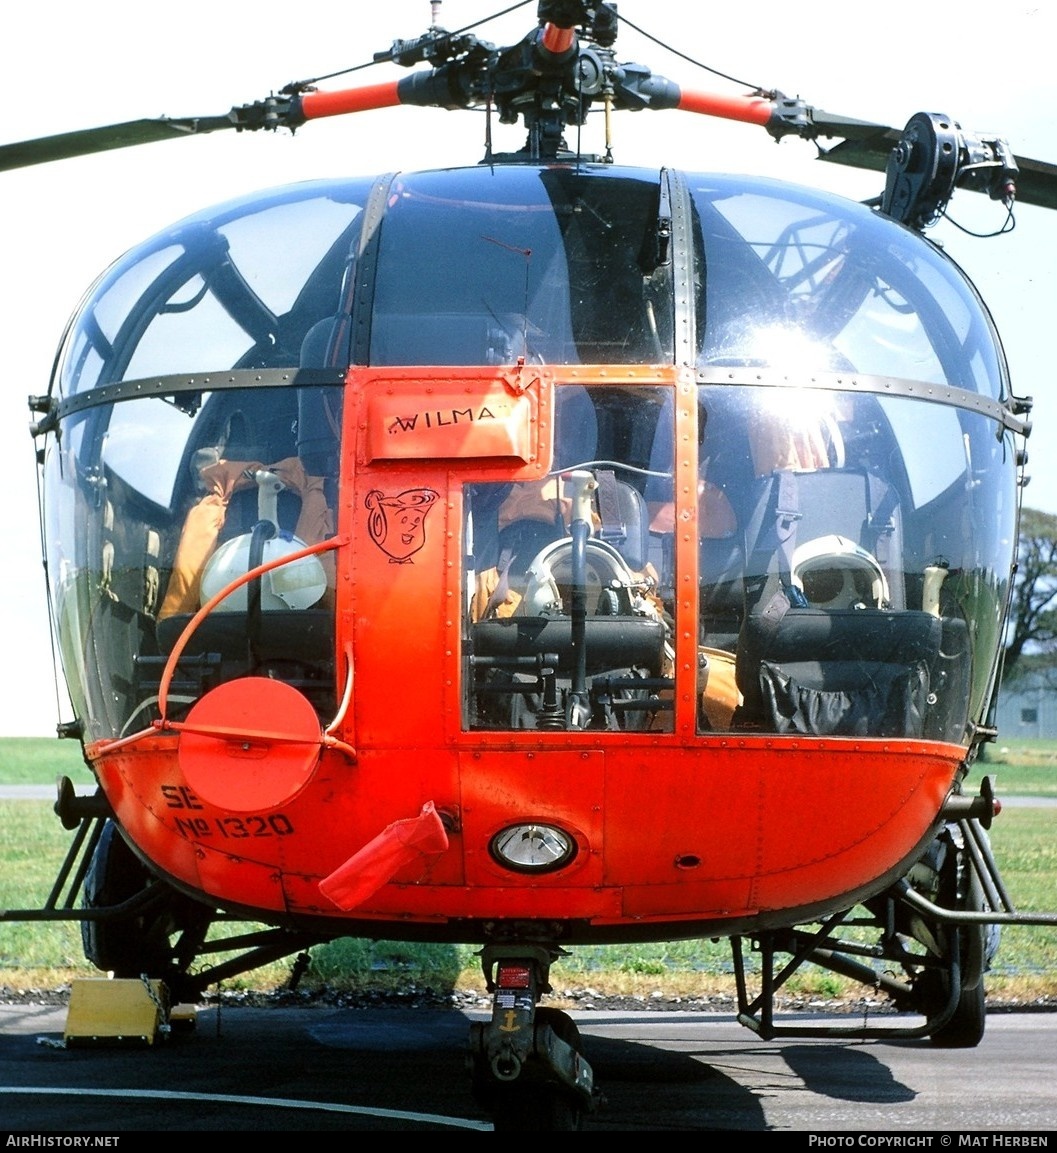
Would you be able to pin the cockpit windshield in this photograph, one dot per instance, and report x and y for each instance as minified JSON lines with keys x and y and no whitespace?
{"x":724,"y":357}
{"x":238,"y":286}
{"x":554,"y":265}
{"x":805,"y":284}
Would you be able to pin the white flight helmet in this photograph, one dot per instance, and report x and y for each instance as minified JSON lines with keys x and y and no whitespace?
{"x":835,"y":573}
{"x":298,"y":584}
{"x":551,"y":573}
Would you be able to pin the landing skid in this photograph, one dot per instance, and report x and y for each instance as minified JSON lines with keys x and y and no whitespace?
{"x":926,"y":944}
{"x":933,"y":988}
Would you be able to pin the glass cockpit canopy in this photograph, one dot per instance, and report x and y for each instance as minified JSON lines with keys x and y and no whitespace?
{"x":759,"y":285}
{"x":561,"y":265}
{"x":808,"y":283}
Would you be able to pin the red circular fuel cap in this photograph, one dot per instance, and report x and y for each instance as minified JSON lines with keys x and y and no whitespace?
{"x":250,"y":744}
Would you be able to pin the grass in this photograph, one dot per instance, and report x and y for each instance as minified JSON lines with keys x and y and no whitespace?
{"x":33,"y":844}
{"x":39,"y":760}
{"x":1024,"y":768}
{"x":47,"y":954}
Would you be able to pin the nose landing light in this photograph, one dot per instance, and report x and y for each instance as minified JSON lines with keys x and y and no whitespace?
{"x":531,"y":847}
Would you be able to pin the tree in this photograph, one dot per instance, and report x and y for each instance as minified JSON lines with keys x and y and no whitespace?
{"x":1033,"y":611}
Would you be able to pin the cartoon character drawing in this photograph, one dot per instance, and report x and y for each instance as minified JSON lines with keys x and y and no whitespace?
{"x":397,"y":523}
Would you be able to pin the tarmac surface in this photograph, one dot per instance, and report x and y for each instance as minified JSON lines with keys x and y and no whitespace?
{"x":335,"y":1069}
{"x":341,"y":1069}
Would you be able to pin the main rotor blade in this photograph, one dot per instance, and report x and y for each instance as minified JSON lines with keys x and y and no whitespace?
{"x":1037,"y":182}
{"x":90,"y":140}
{"x":274,"y":112}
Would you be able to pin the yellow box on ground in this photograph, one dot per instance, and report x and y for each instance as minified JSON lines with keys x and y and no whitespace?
{"x":113,"y":1011}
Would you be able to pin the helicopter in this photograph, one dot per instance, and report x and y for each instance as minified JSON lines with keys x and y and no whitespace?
{"x":540,"y":553}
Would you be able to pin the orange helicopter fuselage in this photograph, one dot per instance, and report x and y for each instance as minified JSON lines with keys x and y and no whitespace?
{"x":677,"y":832}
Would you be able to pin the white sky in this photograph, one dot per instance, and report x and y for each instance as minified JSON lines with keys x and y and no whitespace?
{"x":70,"y":65}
